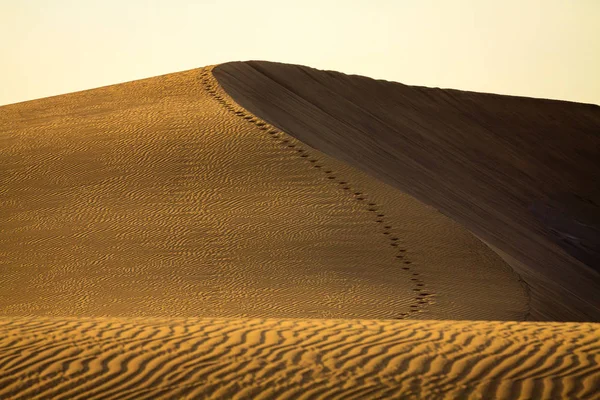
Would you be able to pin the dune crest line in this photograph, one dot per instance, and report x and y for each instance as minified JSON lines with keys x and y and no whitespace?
{"x":424,"y":295}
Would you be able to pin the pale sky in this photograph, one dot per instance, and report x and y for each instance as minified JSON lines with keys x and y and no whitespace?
{"x":538,"y":48}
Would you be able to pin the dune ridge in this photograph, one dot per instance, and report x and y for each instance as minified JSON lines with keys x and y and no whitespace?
{"x":423,"y":295}
{"x":102,"y":358}
{"x":520,"y":173}
{"x":162,"y":197}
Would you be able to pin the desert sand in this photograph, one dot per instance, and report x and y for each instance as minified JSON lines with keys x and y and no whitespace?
{"x":160,"y":197}
{"x":158,"y":240}
{"x":520,"y":173}
{"x":104,"y":358}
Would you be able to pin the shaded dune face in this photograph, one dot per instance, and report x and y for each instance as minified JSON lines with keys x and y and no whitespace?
{"x":162,"y":197}
{"x":296,"y":359}
{"x":520,"y":173}
{"x":573,"y":223}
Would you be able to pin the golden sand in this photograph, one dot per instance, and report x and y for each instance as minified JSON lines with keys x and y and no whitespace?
{"x":158,"y":241}
{"x":161,"y":197}
{"x":104,"y":358}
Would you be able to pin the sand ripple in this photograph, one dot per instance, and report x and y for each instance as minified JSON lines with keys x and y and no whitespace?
{"x":296,"y":359}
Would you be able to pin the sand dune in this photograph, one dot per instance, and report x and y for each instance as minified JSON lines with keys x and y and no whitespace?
{"x":161,"y":197}
{"x":520,"y":173}
{"x":157,"y":240}
{"x":106,"y":358}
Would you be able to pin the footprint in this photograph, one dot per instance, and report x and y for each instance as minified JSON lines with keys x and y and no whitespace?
{"x":263,"y":126}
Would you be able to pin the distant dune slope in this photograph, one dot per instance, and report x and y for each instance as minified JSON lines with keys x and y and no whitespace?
{"x":162,"y":197}
{"x":255,"y":359}
{"x":520,"y":173}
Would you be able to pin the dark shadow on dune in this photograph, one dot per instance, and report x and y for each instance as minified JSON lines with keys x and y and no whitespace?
{"x":508,"y":168}
{"x":573,"y":222}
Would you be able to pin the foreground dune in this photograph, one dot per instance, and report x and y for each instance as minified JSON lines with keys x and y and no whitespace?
{"x":520,"y":173}
{"x":106,"y":358}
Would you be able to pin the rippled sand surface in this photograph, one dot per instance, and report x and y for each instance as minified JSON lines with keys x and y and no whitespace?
{"x":296,"y":359}
{"x":159,"y":241}
{"x":161,"y":197}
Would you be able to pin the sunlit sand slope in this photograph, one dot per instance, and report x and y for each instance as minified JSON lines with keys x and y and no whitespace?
{"x":162,"y":197}
{"x":520,"y":173}
{"x":296,"y":359}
